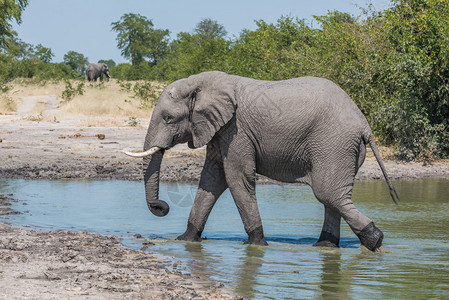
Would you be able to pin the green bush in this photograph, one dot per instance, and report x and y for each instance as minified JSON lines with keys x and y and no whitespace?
{"x":70,"y":91}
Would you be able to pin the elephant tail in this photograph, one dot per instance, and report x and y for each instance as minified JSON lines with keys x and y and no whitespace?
{"x":369,"y":139}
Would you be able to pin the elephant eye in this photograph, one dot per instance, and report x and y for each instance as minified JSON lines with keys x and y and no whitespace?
{"x":168,"y":118}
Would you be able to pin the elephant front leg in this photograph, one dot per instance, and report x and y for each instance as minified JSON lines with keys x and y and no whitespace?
{"x":212,"y":185}
{"x":249,"y":212}
{"x":330,"y":234}
{"x":241,"y":180}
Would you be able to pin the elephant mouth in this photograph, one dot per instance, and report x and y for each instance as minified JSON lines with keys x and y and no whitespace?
{"x":175,"y":140}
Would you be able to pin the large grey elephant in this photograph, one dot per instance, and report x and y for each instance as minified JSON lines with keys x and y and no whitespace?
{"x":302,"y":130}
{"x":94,"y":71}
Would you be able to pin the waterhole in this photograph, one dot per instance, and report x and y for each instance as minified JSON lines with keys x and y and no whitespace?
{"x":414,"y":265}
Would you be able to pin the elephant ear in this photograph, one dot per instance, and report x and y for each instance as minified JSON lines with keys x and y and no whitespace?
{"x":212,"y":105}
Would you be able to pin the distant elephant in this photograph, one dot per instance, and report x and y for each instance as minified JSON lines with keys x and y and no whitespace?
{"x":93,"y":71}
{"x":302,"y":130}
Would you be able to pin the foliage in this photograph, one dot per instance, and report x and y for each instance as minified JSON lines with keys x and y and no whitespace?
{"x":416,"y":35}
{"x":34,"y":68}
{"x":137,"y":39}
{"x":43,"y":53}
{"x":208,"y":28}
{"x":147,"y":92}
{"x":10,"y":10}
{"x":70,"y":91}
{"x":394,"y":65}
{"x":76,"y":61}
{"x":111,"y":63}
{"x":127,"y":71}
{"x":19,"y":50}
{"x":133,"y":122}
{"x":189,"y":54}
{"x":274,"y":51}
{"x":7,"y":101}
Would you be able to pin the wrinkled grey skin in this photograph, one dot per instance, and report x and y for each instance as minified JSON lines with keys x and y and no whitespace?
{"x":94,"y":71}
{"x":303,"y":130}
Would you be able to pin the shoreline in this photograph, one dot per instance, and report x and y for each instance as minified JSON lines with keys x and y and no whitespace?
{"x":172,"y":172}
{"x":55,"y":264}
{"x":82,"y":265}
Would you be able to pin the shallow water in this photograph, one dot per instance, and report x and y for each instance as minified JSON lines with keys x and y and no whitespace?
{"x":416,"y":264}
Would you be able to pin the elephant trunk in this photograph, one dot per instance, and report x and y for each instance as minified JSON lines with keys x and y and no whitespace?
{"x":151,"y":168}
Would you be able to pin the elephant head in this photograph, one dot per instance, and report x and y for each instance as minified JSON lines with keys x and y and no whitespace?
{"x":189,"y":110}
{"x":105,"y":70}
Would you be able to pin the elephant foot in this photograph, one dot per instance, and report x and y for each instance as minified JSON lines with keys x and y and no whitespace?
{"x":371,"y":237}
{"x":192,"y":234}
{"x":327,"y":239}
{"x":256,"y":237}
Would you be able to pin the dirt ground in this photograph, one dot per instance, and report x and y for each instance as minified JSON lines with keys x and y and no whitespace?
{"x":61,"y":264}
{"x":80,"y":265}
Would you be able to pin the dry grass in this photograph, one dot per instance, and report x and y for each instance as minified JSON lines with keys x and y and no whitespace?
{"x":20,"y":88}
{"x":7,"y":104}
{"x":107,"y":99}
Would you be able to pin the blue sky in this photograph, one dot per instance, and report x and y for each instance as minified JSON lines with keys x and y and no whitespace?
{"x":85,"y":26}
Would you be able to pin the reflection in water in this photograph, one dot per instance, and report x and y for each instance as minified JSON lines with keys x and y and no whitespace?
{"x":248,"y":270}
{"x":197,"y":255}
{"x":334,"y":282}
{"x":201,"y":262}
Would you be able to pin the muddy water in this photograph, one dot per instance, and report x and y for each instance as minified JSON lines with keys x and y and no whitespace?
{"x":415,"y":265}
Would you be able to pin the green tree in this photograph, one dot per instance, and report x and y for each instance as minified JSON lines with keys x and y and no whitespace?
{"x":415,"y":73}
{"x":10,"y":10}
{"x":44,"y":54}
{"x":194,"y":53}
{"x":208,"y":28}
{"x":18,"y":49}
{"x":157,"y":45}
{"x":394,"y":65}
{"x":277,"y":51}
{"x":111,"y":63}
{"x":137,"y":38}
{"x":76,"y":61}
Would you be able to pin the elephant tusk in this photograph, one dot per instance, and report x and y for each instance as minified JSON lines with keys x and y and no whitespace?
{"x":149,"y":152}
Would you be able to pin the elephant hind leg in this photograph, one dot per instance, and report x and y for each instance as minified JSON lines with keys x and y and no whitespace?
{"x":330,"y":234}
{"x":335,"y":192}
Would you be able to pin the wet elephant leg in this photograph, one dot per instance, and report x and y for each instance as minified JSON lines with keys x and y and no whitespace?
{"x":241,"y":178}
{"x":212,"y":185}
{"x":246,"y":203}
{"x":330,"y":234}
{"x":369,"y":235}
{"x":333,"y":188}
